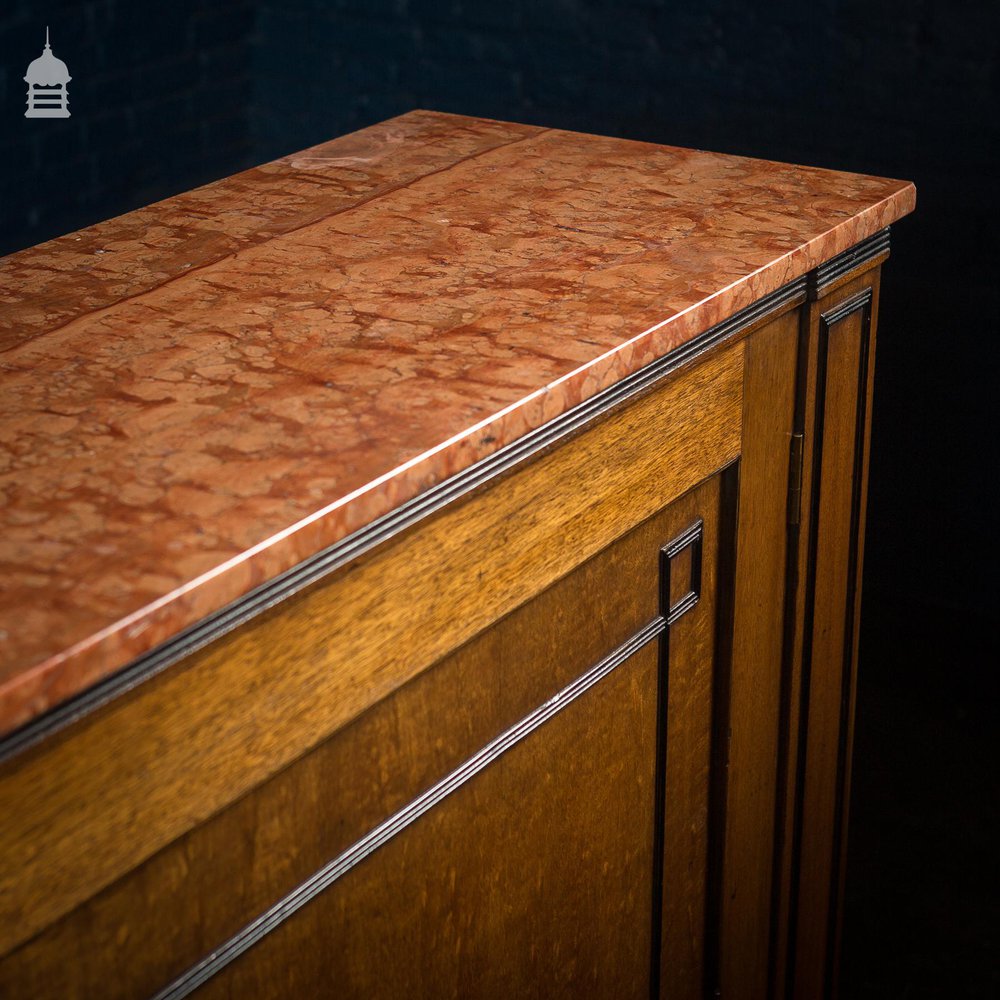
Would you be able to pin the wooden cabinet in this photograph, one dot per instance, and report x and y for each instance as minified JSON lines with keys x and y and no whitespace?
{"x":624,"y":779}
{"x":575,"y":723}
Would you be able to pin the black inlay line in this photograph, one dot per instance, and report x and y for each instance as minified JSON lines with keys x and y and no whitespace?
{"x":660,"y":779}
{"x":691,"y":537}
{"x":317,"y":883}
{"x":838,"y":266}
{"x":861,"y":303}
{"x":382,"y":529}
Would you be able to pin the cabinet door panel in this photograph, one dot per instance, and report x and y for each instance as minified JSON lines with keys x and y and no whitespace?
{"x":573,"y":863}
{"x":166,"y":756}
{"x":552,"y":842}
{"x":533,"y":879}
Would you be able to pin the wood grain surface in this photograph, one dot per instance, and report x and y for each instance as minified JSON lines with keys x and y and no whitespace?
{"x":196,"y":397}
{"x":532,"y":880}
{"x":689,"y":673}
{"x":172,"y":753}
{"x":771,"y":376}
{"x":184,"y":901}
{"x":844,"y":325}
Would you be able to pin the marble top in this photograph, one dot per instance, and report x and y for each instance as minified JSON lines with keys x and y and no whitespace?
{"x":200,"y":394}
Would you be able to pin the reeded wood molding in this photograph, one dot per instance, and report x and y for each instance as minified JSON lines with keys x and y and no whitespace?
{"x":382,"y":529}
{"x":861,"y":301}
{"x":389,"y":525}
{"x":195,"y":977}
{"x":839,"y":269}
{"x":690,"y":538}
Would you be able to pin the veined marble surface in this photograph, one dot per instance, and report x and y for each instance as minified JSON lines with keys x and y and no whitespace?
{"x":198,"y":395}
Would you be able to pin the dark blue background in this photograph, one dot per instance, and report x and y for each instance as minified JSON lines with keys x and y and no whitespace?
{"x":169,"y":95}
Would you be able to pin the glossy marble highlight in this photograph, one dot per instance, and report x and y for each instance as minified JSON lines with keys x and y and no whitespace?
{"x":200,"y":394}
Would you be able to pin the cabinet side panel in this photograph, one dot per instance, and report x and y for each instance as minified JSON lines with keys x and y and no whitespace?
{"x":849,"y":699}
{"x":845,"y":340}
{"x":769,"y":401}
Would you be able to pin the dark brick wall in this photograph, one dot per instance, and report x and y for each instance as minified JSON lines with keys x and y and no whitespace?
{"x":159,"y":102}
{"x":168,"y":95}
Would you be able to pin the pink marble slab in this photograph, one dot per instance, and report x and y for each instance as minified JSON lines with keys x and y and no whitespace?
{"x":200,"y":394}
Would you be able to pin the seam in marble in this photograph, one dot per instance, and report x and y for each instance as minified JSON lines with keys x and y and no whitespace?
{"x":104,"y":310}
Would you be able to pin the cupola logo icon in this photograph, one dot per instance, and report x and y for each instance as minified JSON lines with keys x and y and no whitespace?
{"x":47,"y":77}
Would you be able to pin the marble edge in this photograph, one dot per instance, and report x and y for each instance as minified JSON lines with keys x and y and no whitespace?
{"x":37,"y":688}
